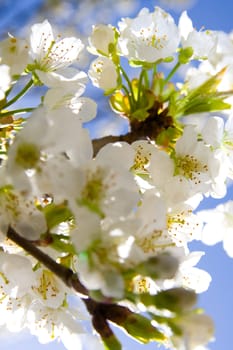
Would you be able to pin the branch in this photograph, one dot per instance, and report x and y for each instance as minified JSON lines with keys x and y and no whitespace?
{"x":149,"y":129}
{"x":65,"y":274}
{"x":130,"y":137}
{"x":70,"y":279}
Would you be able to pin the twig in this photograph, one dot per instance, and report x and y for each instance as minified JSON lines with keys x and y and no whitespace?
{"x":130,"y":137}
{"x":65,"y":274}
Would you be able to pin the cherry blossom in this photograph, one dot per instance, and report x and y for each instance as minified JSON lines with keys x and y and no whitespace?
{"x":5,"y":80}
{"x":149,"y":37}
{"x":96,"y":232}
{"x":49,"y":54}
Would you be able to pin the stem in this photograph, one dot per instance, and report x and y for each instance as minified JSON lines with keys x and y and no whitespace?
{"x":146,"y":79}
{"x":130,"y":137}
{"x":154,"y":69}
{"x":65,"y":274}
{"x":140,"y":87}
{"x":16,"y":111}
{"x":129,"y":96}
{"x":178,"y":64}
{"x":106,"y":310}
{"x":129,"y":84}
{"x":20,"y":94}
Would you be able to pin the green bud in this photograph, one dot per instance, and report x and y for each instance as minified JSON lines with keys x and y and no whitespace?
{"x":185,"y":54}
{"x":140,"y":328}
{"x":112,"y":343}
{"x":178,"y":300}
{"x":168,"y":59}
{"x":136,"y":325}
{"x":163,"y":266}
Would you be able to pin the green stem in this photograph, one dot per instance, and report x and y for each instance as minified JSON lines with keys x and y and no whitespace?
{"x":140,"y":87}
{"x":178,"y":64}
{"x":16,"y":111}
{"x":146,"y":79}
{"x":129,"y":84}
{"x":20,"y":94}
{"x":129,"y":96}
{"x":154,"y":69}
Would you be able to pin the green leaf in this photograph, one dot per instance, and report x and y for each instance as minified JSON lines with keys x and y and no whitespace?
{"x":61,"y":246}
{"x":56,"y":213}
{"x":206,"y":104}
{"x":204,"y":98}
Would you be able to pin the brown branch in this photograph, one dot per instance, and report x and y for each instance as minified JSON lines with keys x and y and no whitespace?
{"x":129,"y":137}
{"x":68,"y":277}
{"x":65,"y":274}
{"x":101,"y":312}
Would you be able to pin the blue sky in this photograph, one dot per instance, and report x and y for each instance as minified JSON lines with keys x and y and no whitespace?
{"x":217,"y":301}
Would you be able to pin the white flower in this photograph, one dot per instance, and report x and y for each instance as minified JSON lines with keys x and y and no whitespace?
{"x":20,"y":212}
{"x":16,"y":274}
{"x":144,"y":150}
{"x":49,"y":54}
{"x":84,"y":108}
{"x":103,"y":73}
{"x":68,"y":78}
{"x":197,"y":163}
{"x":202,"y":42}
{"x":219,"y":135}
{"x":221,"y":56}
{"x":174,"y":189}
{"x":105,"y":184}
{"x":197,"y":329}
{"x":49,"y":137}
{"x":183,"y":225}
{"x":14,"y":312}
{"x":101,"y":38}
{"x":50,"y":290}
{"x":192,"y":277}
{"x":152,"y":213}
{"x":5,"y":81}
{"x":218,"y":226}
{"x":88,"y":230}
{"x":219,"y":59}
{"x":49,"y":324}
{"x":102,"y":250}
{"x":149,"y":37}
{"x":161,"y":228}
{"x":98,"y":276}
{"x":14,"y":53}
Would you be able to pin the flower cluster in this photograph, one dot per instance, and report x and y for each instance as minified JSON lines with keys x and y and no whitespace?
{"x":107,"y":222}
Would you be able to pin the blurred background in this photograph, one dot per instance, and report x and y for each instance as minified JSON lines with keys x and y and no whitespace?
{"x":76,"y":17}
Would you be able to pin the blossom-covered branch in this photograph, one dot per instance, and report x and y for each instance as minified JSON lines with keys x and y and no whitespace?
{"x":107,"y":222}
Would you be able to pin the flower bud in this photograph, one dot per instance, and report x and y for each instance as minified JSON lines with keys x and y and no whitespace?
{"x":175,"y":299}
{"x":102,"y":39}
{"x":185,"y":55}
{"x":103,"y":74}
{"x":163,"y":266}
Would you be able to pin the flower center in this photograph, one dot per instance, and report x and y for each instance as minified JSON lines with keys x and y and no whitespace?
{"x":27,"y":155}
{"x":189,"y":166}
{"x":94,"y":191}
